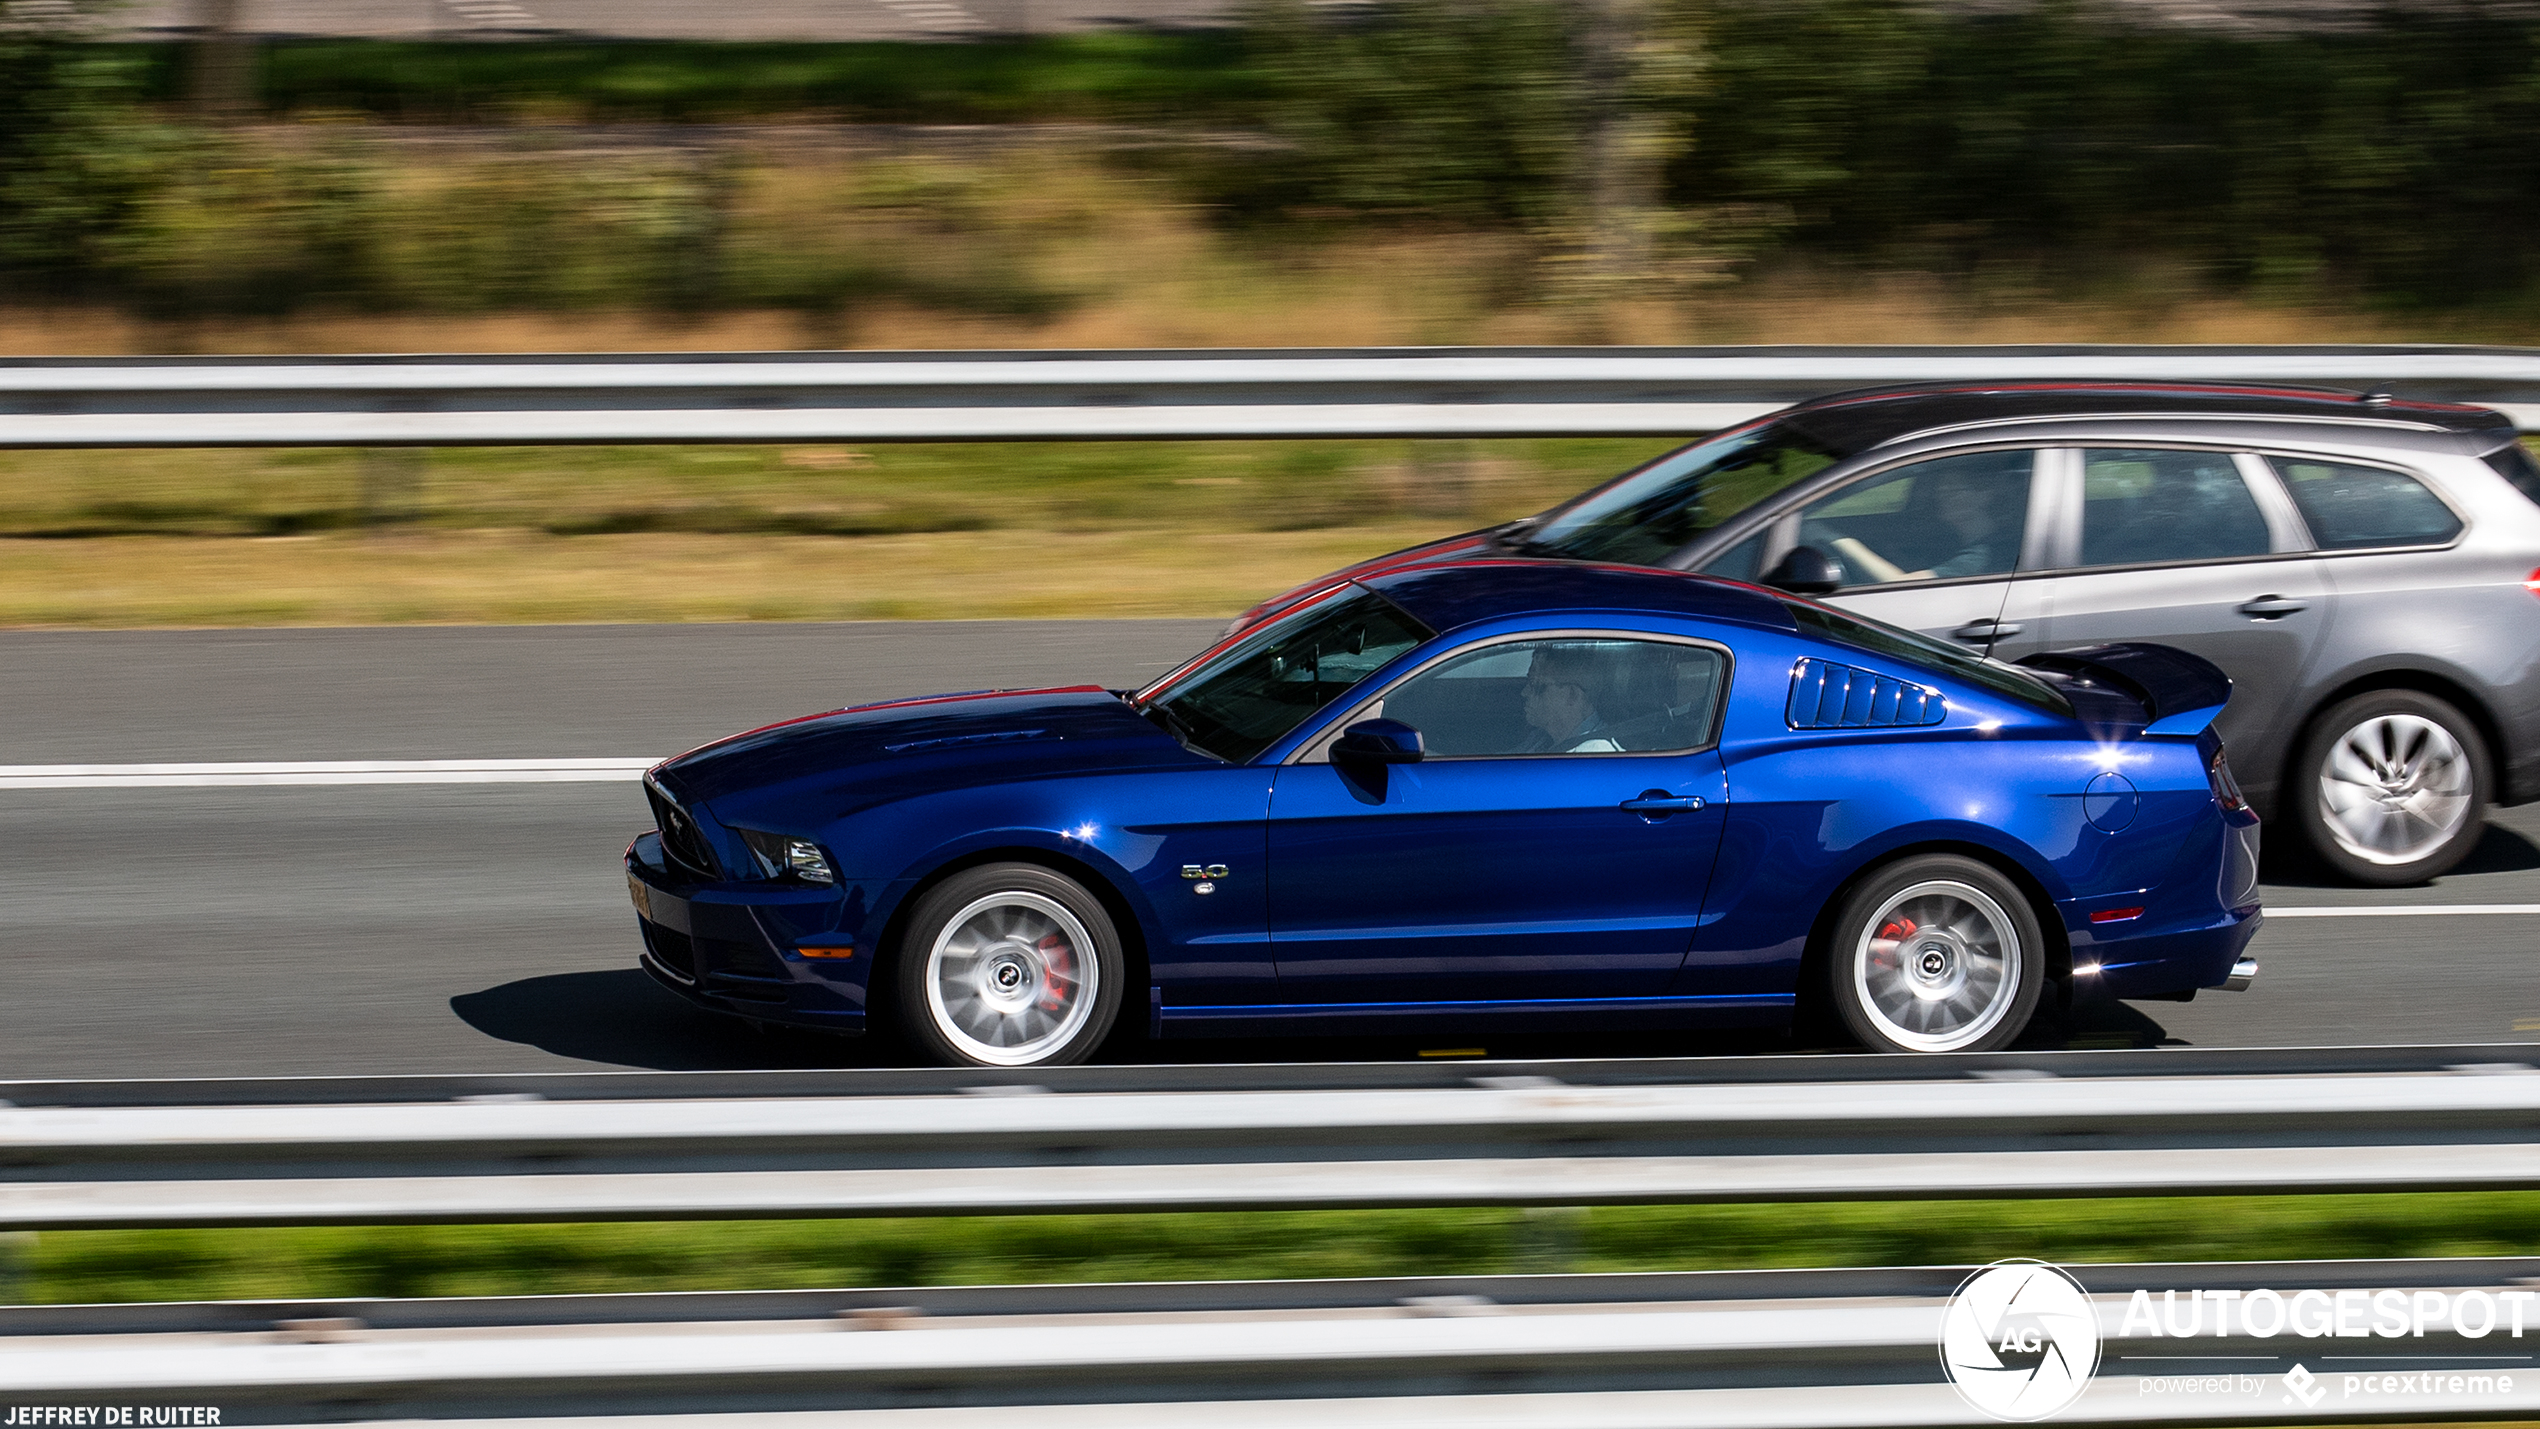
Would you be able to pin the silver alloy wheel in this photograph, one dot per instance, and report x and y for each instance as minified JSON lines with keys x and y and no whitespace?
{"x":1938,"y":966}
{"x":2395,"y":789}
{"x":1012,"y":978}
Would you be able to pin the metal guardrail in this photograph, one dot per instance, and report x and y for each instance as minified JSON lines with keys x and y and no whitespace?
{"x":1443,"y":1072}
{"x":1015,"y":396}
{"x":1726,"y":1349}
{"x":1502,"y":1138}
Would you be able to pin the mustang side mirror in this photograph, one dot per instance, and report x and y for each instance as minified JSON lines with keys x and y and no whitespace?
{"x":1805,"y":571}
{"x":1379,"y":741}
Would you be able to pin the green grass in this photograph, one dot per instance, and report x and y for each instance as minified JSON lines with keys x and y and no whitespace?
{"x":808,"y":491}
{"x":79,"y":1266}
{"x":1125,"y":76}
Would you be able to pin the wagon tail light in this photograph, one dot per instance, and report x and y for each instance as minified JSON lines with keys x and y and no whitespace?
{"x":2226,"y":789}
{"x":2533,"y":584}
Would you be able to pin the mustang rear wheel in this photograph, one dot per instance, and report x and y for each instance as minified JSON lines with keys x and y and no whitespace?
{"x":1009,"y":965}
{"x":2392,"y":788}
{"x":1936,"y":954}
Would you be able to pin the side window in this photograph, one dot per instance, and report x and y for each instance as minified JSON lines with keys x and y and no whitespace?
{"x":2140,"y":507}
{"x":1933,"y":520}
{"x":2348,"y":507}
{"x":1738,"y":562}
{"x":1563,"y":697}
{"x":2514,"y":464}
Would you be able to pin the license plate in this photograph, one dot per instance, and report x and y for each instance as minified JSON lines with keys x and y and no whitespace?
{"x":643,"y":896}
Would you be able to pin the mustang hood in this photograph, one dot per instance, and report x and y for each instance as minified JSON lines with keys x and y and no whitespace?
{"x":911,"y":745}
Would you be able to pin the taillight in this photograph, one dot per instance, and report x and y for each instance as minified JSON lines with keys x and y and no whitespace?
{"x":2226,"y":789}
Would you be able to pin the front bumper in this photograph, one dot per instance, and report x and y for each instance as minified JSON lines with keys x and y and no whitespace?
{"x":735,"y":948}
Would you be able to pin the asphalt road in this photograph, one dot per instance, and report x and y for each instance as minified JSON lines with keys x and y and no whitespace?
{"x":366,"y":929}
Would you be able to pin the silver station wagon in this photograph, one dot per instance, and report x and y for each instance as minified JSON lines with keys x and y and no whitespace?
{"x":2366,"y":569}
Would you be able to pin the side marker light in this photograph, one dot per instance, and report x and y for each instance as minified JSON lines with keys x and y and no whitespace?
{"x":826,"y":950}
{"x":2116,"y":915}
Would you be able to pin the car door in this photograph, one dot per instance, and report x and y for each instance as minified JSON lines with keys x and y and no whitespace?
{"x":2197,"y":549}
{"x":1930,"y":545}
{"x":1554,"y":842}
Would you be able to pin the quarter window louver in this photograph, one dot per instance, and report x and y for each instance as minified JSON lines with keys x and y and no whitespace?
{"x":1825,"y":695}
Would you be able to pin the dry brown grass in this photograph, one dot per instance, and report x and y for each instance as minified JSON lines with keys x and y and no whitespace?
{"x":506,"y":577}
{"x":1160,"y":277}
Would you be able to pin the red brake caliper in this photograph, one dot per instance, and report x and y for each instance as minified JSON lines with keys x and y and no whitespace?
{"x":1060,"y":962}
{"x":1896,"y":930}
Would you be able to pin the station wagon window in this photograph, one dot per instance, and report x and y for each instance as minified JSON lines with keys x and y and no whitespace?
{"x":2514,"y":464}
{"x":1741,"y":561}
{"x":1932,"y":520}
{"x":2147,"y":507}
{"x":1564,"y":696}
{"x":1251,"y":695}
{"x":2350,"y":507}
{"x":1645,"y":515}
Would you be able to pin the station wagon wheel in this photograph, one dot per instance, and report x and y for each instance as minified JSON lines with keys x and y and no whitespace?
{"x":1937,"y":954}
{"x":2392,"y":788}
{"x":1010,"y":965}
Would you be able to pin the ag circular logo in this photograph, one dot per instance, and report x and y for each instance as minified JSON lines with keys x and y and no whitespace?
{"x":2020,"y":1340}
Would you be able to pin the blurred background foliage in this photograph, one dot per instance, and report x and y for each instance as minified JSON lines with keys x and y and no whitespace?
{"x":2381,"y":160}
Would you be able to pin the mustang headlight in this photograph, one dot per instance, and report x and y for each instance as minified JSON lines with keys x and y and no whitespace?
{"x":782,"y":855}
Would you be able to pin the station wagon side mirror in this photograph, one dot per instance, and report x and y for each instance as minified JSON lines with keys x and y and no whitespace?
{"x":1379,"y":741}
{"x":1805,"y":571}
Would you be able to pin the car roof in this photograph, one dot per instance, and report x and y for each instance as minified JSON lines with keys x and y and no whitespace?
{"x":1854,"y":422}
{"x":1453,"y":594}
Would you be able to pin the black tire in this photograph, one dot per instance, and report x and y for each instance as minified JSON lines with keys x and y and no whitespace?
{"x":992,"y":968}
{"x":1961,"y":969}
{"x":2391,"y":788}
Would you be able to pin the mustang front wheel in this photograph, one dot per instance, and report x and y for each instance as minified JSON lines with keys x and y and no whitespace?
{"x":1937,"y":954}
{"x":1010,"y":965}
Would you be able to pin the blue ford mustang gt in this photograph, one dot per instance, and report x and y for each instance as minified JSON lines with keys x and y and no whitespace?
{"x":1487,"y":795}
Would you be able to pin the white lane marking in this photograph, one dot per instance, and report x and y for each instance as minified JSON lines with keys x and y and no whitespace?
{"x":935,"y":14}
{"x":323,"y":771}
{"x":2410,"y":910}
{"x":495,"y":15}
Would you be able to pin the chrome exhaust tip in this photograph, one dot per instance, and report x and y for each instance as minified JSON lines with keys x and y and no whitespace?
{"x":2243,"y":973}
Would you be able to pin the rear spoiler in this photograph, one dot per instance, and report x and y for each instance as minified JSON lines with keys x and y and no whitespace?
{"x":2180,"y":693}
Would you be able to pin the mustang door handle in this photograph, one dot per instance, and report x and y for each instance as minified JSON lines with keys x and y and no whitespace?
{"x":1659,"y":801}
{"x":1987,"y":630}
{"x":2272,"y":607}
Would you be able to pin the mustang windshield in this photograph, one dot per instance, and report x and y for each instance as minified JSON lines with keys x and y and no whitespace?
{"x":1647,"y":515}
{"x":1253,"y":693}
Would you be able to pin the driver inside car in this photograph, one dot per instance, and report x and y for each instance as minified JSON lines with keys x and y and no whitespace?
{"x":1978,"y":525}
{"x":1563,"y":705}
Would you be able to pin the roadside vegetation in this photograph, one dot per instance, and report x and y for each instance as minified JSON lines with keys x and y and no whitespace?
{"x":83,"y":1266}
{"x":1428,"y":172}
{"x":2054,"y":149}
{"x":574,"y":534}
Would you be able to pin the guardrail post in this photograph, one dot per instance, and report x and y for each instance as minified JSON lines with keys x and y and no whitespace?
{"x":1442,"y":477}
{"x":1548,"y":1239}
{"x":17,"y":1260}
{"x":391,"y":484}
